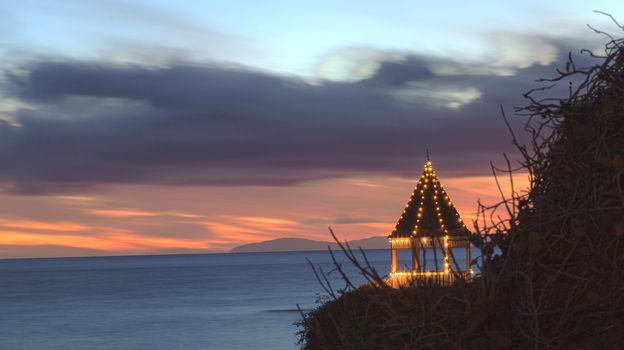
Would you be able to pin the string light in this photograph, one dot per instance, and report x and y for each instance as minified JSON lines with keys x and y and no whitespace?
{"x":417,"y":273}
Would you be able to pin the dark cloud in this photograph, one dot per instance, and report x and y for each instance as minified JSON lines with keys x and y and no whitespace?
{"x":95,"y":124}
{"x":398,"y":73}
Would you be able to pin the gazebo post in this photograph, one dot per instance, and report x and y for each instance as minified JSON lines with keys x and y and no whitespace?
{"x":415,"y":255}
{"x":447,"y":264}
{"x":393,"y":259}
{"x":468,"y":261}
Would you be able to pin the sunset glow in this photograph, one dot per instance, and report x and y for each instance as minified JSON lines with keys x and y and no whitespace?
{"x":354,"y":208}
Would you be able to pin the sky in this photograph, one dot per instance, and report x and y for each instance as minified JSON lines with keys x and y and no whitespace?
{"x":161,"y":127}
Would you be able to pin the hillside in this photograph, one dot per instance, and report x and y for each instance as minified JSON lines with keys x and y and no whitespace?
{"x":558,"y":282}
{"x":302,"y":244}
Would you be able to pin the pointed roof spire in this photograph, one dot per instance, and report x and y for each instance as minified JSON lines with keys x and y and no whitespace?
{"x":429,"y":211}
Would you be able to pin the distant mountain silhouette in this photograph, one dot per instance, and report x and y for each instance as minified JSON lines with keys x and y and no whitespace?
{"x":302,"y":244}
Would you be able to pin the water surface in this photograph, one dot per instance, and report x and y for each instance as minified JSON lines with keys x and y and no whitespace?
{"x":209,"y":301}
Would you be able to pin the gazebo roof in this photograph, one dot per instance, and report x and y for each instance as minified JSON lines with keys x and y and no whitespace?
{"x":429,"y":211}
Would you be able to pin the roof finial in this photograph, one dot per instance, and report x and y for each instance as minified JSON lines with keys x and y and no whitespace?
{"x":428,"y":153}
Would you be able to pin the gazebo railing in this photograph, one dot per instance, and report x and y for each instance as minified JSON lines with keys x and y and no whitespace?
{"x":405,"y":278}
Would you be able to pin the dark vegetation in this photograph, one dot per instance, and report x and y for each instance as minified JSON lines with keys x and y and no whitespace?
{"x":559,"y":280}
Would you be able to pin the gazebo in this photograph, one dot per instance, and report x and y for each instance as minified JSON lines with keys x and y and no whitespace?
{"x":429,"y":224}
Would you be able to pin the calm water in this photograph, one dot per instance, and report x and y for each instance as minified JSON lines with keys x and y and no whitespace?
{"x":211,"y":301}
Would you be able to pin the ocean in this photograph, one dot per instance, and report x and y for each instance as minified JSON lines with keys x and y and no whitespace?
{"x":192,"y":302}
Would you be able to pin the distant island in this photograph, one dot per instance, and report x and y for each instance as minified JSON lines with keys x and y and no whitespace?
{"x":302,"y":244}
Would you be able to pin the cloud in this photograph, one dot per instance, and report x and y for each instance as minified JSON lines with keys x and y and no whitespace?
{"x":236,"y":233}
{"x":122,"y":213}
{"x":138,"y":213}
{"x":356,"y":64}
{"x":42,"y":226}
{"x":354,"y":220}
{"x":265,"y":222}
{"x":122,"y":241}
{"x":250,"y":228}
{"x":96,"y":123}
{"x":447,"y":96}
{"x":522,"y":51}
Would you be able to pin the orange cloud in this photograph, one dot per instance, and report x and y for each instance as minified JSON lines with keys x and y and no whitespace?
{"x":250,"y":228}
{"x":465,"y":192}
{"x":236,"y":233}
{"x":130,"y":213}
{"x":107,"y":241}
{"x":384,"y":227}
{"x":256,"y":220}
{"x":141,"y":242}
{"x":77,"y":241}
{"x":185,"y":215}
{"x":116,"y":222}
{"x":43,"y":226}
{"x":122,"y":213}
{"x":364,"y":183}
